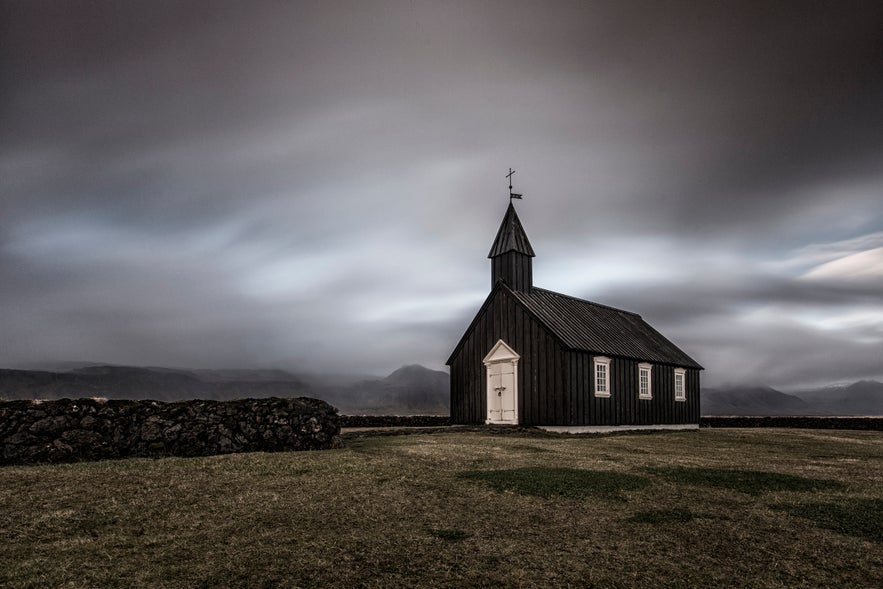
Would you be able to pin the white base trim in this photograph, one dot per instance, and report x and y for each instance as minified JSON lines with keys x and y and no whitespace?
{"x":604,"y":429}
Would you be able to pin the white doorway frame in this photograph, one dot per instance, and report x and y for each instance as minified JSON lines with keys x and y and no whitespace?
{"x":500,"y":354}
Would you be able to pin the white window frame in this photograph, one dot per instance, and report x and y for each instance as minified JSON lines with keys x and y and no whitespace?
{"x":682,"y":373}
{"x":648,"y":394}
{"x":605,"y":362}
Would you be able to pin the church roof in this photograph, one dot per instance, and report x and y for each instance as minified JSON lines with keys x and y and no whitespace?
{"x":511,"y":236}
{"x":587,"y":326}
{"x":591,"y":327}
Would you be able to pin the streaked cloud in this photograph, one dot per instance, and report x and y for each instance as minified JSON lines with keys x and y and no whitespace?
{"x":289,"y":184}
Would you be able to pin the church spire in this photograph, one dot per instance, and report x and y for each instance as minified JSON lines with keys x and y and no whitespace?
{"x":511,"y":236}
{"x":511,"y":254}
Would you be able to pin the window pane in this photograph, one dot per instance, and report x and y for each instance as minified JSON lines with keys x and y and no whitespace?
{"x":644,"y":382}
{"x":601,"y":378}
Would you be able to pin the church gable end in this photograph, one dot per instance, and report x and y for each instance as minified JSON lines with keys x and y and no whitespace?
{"x":540,"y":356}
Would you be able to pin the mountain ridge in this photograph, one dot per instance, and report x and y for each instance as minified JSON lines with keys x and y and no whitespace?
{"x":412,"y":389}
{"x":409,"y":390}
{"x":864,"y":397}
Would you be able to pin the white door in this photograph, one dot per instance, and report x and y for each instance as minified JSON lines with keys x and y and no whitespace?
{"x":501,"y":393}
{"x":501,"y":364}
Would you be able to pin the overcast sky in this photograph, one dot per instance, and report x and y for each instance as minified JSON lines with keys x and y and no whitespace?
{"x":316,"y":185}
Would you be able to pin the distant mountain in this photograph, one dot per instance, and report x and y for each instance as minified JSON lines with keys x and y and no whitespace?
{"x":411,"y":389}
{"x":864,"y":397}
{"x":59,"y":366}
{"x":861,"y":398}
{"x":128,"y":382}
{"x":238,"y":375}
{"x":752,"y":401}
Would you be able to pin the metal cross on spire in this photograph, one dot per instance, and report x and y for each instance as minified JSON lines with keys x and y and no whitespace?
{"x":511,"y":194}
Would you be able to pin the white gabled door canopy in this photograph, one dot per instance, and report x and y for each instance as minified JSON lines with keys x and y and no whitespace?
{"x":501,"y":352}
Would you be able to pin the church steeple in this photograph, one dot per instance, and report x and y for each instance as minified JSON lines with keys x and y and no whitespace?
{"x":511,"y":254}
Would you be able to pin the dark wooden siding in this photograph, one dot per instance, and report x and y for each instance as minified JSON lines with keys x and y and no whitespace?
{"x":623,"y":407}
{"x":513,"y":268}
{"x":541,"y":399}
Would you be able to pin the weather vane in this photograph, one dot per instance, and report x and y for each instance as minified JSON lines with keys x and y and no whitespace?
{"x":511,"y":194}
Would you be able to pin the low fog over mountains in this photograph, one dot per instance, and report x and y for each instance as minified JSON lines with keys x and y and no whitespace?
{"x":410,"y":390}
{"x":861,"y":398}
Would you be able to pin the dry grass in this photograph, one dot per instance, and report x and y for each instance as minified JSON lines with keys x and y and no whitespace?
{"x":462,"y":510}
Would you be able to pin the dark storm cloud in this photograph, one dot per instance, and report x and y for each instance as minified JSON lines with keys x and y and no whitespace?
{"x":724,"y":112}
{"x":292,"y":183}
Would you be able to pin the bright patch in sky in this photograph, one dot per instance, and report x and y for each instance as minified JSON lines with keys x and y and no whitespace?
{"x":862,"y":266}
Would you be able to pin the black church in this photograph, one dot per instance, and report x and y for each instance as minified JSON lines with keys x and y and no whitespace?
{"x":532,"y":356}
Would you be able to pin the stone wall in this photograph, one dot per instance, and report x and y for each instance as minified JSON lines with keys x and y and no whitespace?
{"x":92,"y":429}
{"x":859,"y":423}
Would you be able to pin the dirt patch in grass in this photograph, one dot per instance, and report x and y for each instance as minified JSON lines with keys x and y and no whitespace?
{"x":862,"y":518}
{"x":658,"y":516}
{"x":752,"y":482}
{"x":529,"y":448}
{"x":564,"y":482}
{"x":663,"y":516}
{"x":448,"y":535}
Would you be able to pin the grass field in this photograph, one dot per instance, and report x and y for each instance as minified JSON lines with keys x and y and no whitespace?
{"x":722,"y":508}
